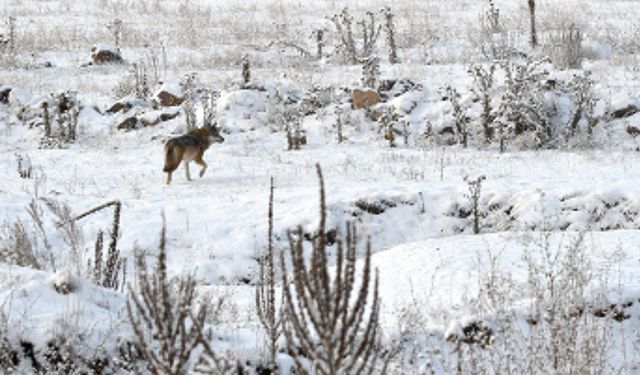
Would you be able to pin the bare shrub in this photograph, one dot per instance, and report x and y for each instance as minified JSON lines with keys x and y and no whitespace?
{"x":112,"y":274}
{"x":326,"y":325}
{"x":319,"y":38}
{"x":166,"y":322}
{"x":347,"y":44}
{"x":391,"y":35}
{"x":287,"y":114}
{"x":564,"y":45}
{"x":491,"y":19}
{"x":24,"y":166}
{"x":8,"y":45}
{"x":370,"y":71}
{"x":461,"y":120}
{"x":522,"y":109}
{"x":475,"y":187}
{"x":269,"y":313}
{"x":116,"y":28}
{"x":209,"y":100}
{"x":533,"y":37}
{"x":141,"y":77}
{"x":584,"y":101}
{"x":17,"y":247}
{"x":567,"y":337}
{"x":64,"y":114}
{"x":483,"y":88}
{"x":188,"y":85}
{"x":246,"y":70}
{"x":8,"y":355}
{"x":389,"y":125}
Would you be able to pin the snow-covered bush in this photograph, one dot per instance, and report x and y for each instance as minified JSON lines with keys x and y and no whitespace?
{"x":484,"y":90}
{"x":348,"y":47}
{"x":390,"y":29}
{"x":269,"y":311}
{"x":324,"y":330}
{"x":166,"y":318}
{"x":565,"y":48}
{"x":524,"y":110}
{"x":24,"y":167}
{"x":461,"y":120}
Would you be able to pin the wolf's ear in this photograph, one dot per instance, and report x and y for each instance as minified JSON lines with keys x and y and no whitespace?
{"x":213,"y":128}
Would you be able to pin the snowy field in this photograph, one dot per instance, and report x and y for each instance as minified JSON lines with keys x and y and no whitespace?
{"x":516,"y":253}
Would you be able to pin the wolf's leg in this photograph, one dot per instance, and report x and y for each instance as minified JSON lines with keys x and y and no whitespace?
{"x":168,"y":178}
{"x":201,"y":162}
{"x":186,"y":169}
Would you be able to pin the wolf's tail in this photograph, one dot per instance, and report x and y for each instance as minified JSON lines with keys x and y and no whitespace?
{"x":171,"y":159}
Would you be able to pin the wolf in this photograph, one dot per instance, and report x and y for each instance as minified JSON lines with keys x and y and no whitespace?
{"x":189,"y":147}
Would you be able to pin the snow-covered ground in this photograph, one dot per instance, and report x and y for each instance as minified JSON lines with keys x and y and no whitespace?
{"x":552,"y":221}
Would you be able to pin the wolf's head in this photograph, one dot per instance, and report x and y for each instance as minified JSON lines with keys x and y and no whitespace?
{"x":213,"y":135}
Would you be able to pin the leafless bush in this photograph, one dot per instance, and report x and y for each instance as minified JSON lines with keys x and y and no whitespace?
{"x":163,"y":313}
{"x":491,"y":19}
{"x":584,"y":101}
{"x":461,"y":120}
{"x":71,"y":233}
{"x":295,"y":136}
{"x":319,"y":38}
{"x":140,"y":79}
{"x":483,"y":88}
{"x":17,"y":247}
{"x":246,"y":70}
{"x":116,"y":28}
{"x":287,"y":114}
{"x":370,"y":71}
{"x":325,"y":325}
{"x":347,"y":45}
{"x":339,"y":130}
{"x":389,"y":125}
{"x":268,"y":311}
{"x":8,"y":42}
{"x":188,"y":85}
{"x":24,"y":166}
{"x":391,"y":35}
{"x":533,"y":37}
{"x":564,"y":45}
{"x":561,"y":331}
{"x":8,"y":355}
{"x":65,"y":350}
{"x":566,"y":336}
{"x":522,"y":109}
{"x":40,"y":238}
{"x":112,"y":273}
{"x":475,"y":187}
{"x":64,"y":113}
{"x":209,"y":99}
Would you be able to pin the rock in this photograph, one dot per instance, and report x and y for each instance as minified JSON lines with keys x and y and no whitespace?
{"x":148,"y":119}
{"x":168,"y":95}
{"x":119,"y":106}
{"x":474,"y":332}
{"x":156,"y":117}
{"x":129,"y":123}
{"x":126,"y":103}
{"x":106,"y":54}
{"x":364,"y":98}
{"x":391,"y":88}
{"x":627,"y":111}
{"x":4,"y":94}
{"x":169,"y":116}
{"x":167,"y":99}
{"x":633,"y":131}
